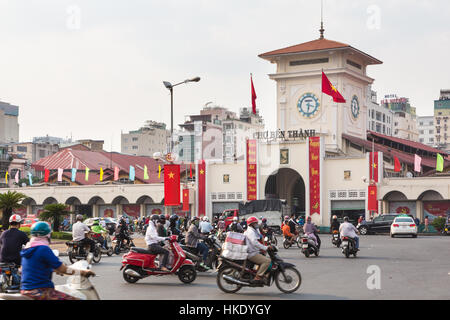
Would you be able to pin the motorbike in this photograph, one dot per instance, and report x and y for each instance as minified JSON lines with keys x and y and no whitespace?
{"x":287,"y":243}
{"x":335,"y":239}
{"x":233,"y":274}
{"x":121,"y":245}
{"x":309,"y":246}
{"x":77,"y":251}
{"x":212,"y":261}
{"x":76,"y":285}
{"x":269,"y":233}
{"x":109,"y":250}
{"x":9,"y":277}
{"x":349,"y":247}
{"x":140,"y":263}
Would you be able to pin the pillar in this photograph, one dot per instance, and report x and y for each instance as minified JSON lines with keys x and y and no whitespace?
{"x":118,"y":210}
{"x":419,"y":210}
{"x":142,"y":212}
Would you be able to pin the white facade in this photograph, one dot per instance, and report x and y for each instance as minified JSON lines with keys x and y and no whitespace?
{"x":9,"y":125}
{"x":426,"y":130}
{"x":151,"y":138}
{"x":379,"y":118}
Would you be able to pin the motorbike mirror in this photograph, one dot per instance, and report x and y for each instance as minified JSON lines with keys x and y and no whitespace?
{"x":56,"y":252}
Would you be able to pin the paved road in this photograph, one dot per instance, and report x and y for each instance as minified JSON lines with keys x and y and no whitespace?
{"x":409,"y":269}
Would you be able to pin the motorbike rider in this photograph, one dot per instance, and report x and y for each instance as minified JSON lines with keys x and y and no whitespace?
{"x":12,"y":240}
{"x":192,"y":240}
{"x":98,"y":229}
{"x":38,"y":264}
{"x":173,"y":225}
{"x":293,"y":225}
{"x":243,"y":224}
{"x":235,"y":226}
{"x":349,"y":230}
{"x":335,"y":224}
{"x":254,"y":247}
{"x":311,"y":231}
{"x":79,"y":230}
{"x":287,"y":232}
{"x":153,"y":242}
{"x":205,"y":226}
{"x":122,"y":230}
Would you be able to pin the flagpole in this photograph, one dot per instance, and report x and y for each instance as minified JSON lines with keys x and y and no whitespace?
{"x":321,"y":101}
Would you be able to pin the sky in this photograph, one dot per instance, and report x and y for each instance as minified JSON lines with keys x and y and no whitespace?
{"x":90,"y":69}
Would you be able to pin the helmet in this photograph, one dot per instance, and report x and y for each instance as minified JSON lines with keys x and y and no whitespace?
{"x":286,"y":218}
{"x":15,"y":218}
{"x":155,"y":218}
{"x":221,"y":218}
{"x":308,"y":219}
{"x":345,"y":218}
{"x":173,"y":217}
{"x":194,"y":219}
{"x":162,"y":217}
{"x":335,"y":217}
{"x":40,"y":229}
{"x":264,"y":220}
{"x":79,"y":217}
{"x":205,"y":218}
{"x":235,"y":218}
{"x":95,"y":223}
{"x":167,"y":217}
{"x":252,"y":220}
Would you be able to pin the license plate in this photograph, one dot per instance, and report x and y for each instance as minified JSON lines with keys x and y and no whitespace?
{"x":305,"y":246}
{"x":344,"y":243}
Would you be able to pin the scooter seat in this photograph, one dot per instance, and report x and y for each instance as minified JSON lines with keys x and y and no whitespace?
{"x":190,"y":249}
{"x":13,"y":296}
{"x":140,"y":250}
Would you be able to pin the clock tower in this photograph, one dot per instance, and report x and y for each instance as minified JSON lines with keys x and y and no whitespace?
{"x":300,"y":101}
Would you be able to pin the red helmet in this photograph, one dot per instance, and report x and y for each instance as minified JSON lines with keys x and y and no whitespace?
{"x":252,"y":220}
{"x":15,"y":218}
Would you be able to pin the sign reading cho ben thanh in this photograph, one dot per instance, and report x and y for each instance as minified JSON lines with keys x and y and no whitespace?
{"x":284,"y":135}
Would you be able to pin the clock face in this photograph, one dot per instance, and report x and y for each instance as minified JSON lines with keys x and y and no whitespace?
{"x":308,"y":105}
{"x":355,"y":107}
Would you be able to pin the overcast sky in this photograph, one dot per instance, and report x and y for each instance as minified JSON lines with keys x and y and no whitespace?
{"x":94,"y":68}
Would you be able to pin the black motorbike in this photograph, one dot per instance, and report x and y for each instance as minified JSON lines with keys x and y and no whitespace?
{"x":235,"y":274}
{"x":122,"y":243}
{"x":9,"y":277}
{"x":308,"y":246}
{"x":77,"y":251}
{"x":349,"y":247}
{"x":336,"y":239}
{"x":212,"y":261}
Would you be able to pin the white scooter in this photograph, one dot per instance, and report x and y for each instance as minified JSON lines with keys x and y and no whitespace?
{"x":76,"y":285}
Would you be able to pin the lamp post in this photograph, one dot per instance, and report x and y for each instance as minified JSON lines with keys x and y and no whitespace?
{"x":170,"y":86}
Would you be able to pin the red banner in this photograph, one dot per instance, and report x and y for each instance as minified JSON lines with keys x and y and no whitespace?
{"x":251,"y":170}
{"x":373,"y":166}
{"x":133,"y":210}
{"x":201,"y":173}
{"x":186,"y":200}
{"x":372,"y":202}
{"x":171,"y":185}
{"x":314,"y":175}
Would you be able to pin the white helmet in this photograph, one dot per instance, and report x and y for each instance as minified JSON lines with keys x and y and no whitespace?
{"x":15,"y":218}
{"x":205,"y":218}
{"x":235,"y":218}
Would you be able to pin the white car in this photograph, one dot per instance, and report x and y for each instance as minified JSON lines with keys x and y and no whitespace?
{"x":403,"y":224}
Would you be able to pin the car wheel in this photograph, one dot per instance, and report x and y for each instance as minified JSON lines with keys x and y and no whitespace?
{"x":414,"y":235}
{"x":363,"y":230}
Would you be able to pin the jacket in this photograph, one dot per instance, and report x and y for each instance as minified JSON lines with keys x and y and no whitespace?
{"x":253,"y":244}
{"x":193,"y":236}
{"x":151,"y":235}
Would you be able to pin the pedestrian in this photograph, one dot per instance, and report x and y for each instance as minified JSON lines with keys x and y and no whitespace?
{"x":426,"y":223}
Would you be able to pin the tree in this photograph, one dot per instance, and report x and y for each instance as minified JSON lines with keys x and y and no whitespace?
{"x":54,"y":212}
{"x":8,"y":202}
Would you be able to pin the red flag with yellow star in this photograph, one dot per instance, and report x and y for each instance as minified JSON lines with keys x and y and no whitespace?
{"x":373,"y":166}
{"x":171,"y":185}
{"x":201,"y":173}
{"x":185,"y":199}
{"x":329,"y":89}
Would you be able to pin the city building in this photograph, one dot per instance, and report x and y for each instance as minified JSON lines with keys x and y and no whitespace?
{"x":31,"y":151}
{"x":53,"y":140}
{"x":442,"y":123}
{"x":380,"y":118}
{"x":152,"y":137}
{"x":5,"y":160}
{"x":405,"y":125}
{"x":94,"y":145}
{"x":9,"y":124}
{"x":425,"y":126}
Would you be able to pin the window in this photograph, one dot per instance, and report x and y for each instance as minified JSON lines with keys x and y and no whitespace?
{"x":134,"y":147}
{"x":22,"y":148}
{"x":421,"y":140}
{"x":420,"y":131}
{"x":308,"y":61}
{"x":431,"y":131}
{"x":431,"y":139}
{"x":42,"y":154}
{"x":134,"y":139}
{"x":354,"y":64}
{"x":420,"y":123}
{"x":384,"y":118}
{"x":226,"y":178}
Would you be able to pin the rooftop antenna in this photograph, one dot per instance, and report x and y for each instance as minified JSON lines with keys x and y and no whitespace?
{"x":321,"y":20}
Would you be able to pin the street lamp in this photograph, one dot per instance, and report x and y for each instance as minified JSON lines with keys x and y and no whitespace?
{"x":170,"y":86}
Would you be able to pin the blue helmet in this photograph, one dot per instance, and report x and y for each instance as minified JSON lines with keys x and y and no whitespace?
{"x":40,"y":228}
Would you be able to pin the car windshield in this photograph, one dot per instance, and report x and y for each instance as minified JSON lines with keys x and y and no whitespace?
{"x":404,"y":220}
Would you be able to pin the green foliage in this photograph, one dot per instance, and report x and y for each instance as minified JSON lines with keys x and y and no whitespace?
{"x":54,"y":212}
{"x":55,"y":235}
{"x":9,"y":201}
{"x":438,"y":223}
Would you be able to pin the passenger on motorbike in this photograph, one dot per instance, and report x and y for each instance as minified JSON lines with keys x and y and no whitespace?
{"x":98,"y":229}
{"x":349,"y":230}
{"x":38,"y":264}
{"x":173,"y":225}
{"x":287,"y":233}
{"x":311,"y":231}
{"x":335,"y":224}
{"x":122,"y":231}
{"x":153,"y":242}
{"x":161,"y":226}
{"x":254,"y":247}
{"x":12,"y":240}
{"x":79,"y":230}
{"x":205,"y":226}
{"x":293,"y":224}
{"x":192,"y":240}
{"x":235,"y":226}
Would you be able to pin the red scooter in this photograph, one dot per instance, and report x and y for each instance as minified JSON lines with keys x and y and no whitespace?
{"x":139,"y":263}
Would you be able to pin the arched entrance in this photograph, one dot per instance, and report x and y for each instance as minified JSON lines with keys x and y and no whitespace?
{"x":287,"y":184}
